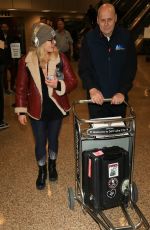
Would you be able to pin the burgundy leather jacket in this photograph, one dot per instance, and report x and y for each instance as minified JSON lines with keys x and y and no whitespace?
{"x":29,"y":91}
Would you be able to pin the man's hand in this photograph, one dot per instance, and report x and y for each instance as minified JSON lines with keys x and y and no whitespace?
{"x":96,"y":96}
{"x":118,"y":98}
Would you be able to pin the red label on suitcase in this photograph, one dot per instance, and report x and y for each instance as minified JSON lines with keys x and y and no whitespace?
{"x":98,"y":153}
{"x":89,"y":168}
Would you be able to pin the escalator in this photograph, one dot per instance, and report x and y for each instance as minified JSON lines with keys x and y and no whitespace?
{"x":136,"y":19}
{"x":142,"y":20}
{"x":133,"y":13}
{"x":137,"y":30}
{"x":122,"y":6}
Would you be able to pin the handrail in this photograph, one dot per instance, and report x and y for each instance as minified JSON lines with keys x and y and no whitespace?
{"x":139,"y":17}
{"x":116,"y":2}
{"x":130,"y":10}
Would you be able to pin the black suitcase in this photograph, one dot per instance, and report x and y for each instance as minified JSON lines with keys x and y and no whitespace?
{"x":104,"y":171}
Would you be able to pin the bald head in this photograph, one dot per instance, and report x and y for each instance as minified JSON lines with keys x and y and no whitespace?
{"x":106,"y":19}
{"x":106,"y":7}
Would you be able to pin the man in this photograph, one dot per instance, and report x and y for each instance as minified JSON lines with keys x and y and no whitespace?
{"x":6,"y":36}
{"x":107,"y":64}
{"x":3,"y":124}
{"x":63,"y":39}
{"x":92,"y":15}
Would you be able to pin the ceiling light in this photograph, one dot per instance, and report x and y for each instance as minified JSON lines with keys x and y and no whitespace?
{"x":11,"y":9}
{"x":46,"y":11}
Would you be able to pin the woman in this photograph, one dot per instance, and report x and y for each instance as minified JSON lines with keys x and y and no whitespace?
{"x":44,"y":79}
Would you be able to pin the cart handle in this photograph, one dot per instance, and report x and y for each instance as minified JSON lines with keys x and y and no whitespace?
{"x":132,"y":113}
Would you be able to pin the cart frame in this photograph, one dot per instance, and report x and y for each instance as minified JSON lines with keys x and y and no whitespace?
{"x":126,"y":135}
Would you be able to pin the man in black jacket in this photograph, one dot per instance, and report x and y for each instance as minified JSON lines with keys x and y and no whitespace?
{"x":3,"y":124}
{"x":9,"y":63}
{"x":107,"y":64}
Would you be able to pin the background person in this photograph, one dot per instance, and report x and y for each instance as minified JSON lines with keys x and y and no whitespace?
{"x":50,"y":22}
{"x":107,"y":64}
{"x":6,"y":36}
{"x":43,"y":20}
{"x":44,"y":79}
{"x":91,"y":15}
{"x":63,"y":39}
{"x":3,"y":124}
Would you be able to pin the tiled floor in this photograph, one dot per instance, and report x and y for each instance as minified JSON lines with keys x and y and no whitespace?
{"x":22,"y":207}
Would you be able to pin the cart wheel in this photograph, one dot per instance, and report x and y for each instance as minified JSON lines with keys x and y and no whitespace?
{"x":71,"y":199}
{"x":134,"y":192}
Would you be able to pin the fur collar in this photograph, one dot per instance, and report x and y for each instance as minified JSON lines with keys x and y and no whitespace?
{"x":33,"y":65}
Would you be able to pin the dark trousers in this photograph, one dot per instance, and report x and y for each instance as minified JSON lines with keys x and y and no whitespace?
{"x":1,"y":93}
{"x":45,"y":131}
{"x":106,"y":110}
{"x":12,"y":67}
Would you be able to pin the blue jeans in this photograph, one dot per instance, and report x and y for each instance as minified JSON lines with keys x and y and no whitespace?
{"x":46,"y":131}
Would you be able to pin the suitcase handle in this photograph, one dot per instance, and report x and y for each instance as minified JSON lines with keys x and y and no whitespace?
{"x":79,"y":102}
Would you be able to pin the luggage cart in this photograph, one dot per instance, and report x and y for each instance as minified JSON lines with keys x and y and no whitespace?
{"x":95,"y":135}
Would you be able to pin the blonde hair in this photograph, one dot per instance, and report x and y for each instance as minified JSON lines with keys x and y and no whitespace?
{"x":43,"y":56}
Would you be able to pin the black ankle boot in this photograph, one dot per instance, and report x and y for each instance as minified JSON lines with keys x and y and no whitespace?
{"x":53,"y":176}
{"x":40,"y":182}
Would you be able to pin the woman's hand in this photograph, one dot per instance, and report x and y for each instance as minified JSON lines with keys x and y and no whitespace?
{"x":22,"y":119}
{"x":52,"y":83}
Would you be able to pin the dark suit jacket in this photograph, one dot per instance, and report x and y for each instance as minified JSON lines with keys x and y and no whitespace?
{"x":6,"y":59}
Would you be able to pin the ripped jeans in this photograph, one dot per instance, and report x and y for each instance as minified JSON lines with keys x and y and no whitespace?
{"x":46,"y":131}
